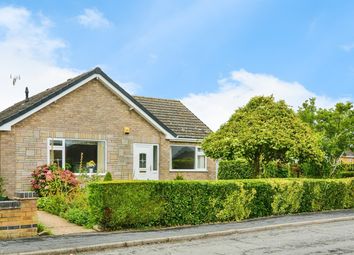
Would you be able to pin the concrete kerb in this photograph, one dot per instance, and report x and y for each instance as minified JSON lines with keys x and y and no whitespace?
{"x":182,"y":238}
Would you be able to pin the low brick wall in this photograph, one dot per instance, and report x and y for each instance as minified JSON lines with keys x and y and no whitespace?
{"x":18,"y":217}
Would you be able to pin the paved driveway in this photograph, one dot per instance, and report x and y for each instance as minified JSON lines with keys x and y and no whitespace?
{"x":329,"y":238}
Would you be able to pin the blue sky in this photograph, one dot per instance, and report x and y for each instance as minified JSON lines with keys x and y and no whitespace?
{"x":213,"y":55}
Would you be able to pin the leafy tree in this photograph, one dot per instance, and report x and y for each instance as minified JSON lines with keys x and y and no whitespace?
{"x":261,"y":131}
{"x":335,"y":125}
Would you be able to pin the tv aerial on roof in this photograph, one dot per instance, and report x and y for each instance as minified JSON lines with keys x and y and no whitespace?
{"x":15,"y":78}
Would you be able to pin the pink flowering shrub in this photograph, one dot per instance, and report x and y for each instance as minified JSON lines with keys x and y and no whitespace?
{"x":50,"y":180}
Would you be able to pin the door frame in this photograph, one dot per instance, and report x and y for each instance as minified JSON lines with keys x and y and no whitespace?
{"x":150,"y":173}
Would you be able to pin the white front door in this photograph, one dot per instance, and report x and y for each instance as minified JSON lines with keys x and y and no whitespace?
{"x":146,"y":161}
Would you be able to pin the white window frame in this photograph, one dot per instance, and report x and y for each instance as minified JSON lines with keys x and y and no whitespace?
{"x":195,"y":160}
{"x":62,"y":148}
{"x":56,"y":148}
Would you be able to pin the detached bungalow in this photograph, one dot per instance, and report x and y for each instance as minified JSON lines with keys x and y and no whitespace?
{"x":91,"y":119}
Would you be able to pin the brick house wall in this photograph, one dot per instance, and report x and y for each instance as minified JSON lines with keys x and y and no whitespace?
{"x":90,"y":112}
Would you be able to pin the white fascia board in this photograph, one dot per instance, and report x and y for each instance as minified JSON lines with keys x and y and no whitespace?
{"x":187,"y":140}
{"x":7,"y":126}
{"x":135,"y":107}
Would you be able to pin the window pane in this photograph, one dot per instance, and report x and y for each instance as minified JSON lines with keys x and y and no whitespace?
{"x":92,"y":155}
{"x":142,"y":160}
{"x":56,"y":143}
{"x":100,"y":157}
{"x":183,"y":157}
{"x":56,"y":157}
{"x":201,"y":162}
{"x":154,"y":162}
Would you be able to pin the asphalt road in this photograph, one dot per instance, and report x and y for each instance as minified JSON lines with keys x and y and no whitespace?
{"x":328,"y":238}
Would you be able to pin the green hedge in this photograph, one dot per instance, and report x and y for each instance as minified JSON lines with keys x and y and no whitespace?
{"x":241,"y":169}
{"x":234,"y":169}
{"x":346,"y":174}
{"x":2,"y":190}
{"x":127,"y":204}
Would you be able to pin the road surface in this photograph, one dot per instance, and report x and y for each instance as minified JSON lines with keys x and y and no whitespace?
{"x":329,"y":238}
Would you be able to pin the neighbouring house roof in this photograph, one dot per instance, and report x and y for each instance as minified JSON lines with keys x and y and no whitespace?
{"x":348,"y":154}
{"x":176,"y":116}
{"x":169,"y":115}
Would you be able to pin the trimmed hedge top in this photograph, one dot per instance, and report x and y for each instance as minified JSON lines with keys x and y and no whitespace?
{"x":126,"y":204}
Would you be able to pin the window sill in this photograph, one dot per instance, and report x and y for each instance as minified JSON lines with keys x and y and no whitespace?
{"x":190,"y":170}
{"x":90,"y":174}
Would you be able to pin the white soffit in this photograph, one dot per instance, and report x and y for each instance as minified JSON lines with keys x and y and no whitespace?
{"x":7,"y":126}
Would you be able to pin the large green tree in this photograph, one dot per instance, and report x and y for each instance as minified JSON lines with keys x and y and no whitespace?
{"x":261,"y":131}
{"x":335,"y":125}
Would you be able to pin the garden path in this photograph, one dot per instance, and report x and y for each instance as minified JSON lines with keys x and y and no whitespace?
{"x":60,"y":226}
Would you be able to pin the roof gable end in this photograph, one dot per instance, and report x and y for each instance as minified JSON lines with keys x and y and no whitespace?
{"x":23,"y":109}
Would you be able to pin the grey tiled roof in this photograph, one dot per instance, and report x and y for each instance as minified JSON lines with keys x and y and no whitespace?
{"x":24,"y":106}
{"x":171,"y":115}
{"x":176,"y":116}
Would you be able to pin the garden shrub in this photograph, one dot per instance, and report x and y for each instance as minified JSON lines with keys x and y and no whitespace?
{"x":108,"y":177}
{"x":345,"y":170}
{"x":126,"y":204}
{"x":61,"y":195}
{"x":77,"y":215}
{"x":346,"y":174}
{"x":313,"y":170}
{"x":72,"y":206}
{"x":234,"y":169}
{"x":2,"y":190}
{"x":179,"y":177}
{"x":54,"y":204}
{"x":78,"y":211}
{"x":275,"y":169}
{"x":51,"y":180}
{"x":345,"y":167}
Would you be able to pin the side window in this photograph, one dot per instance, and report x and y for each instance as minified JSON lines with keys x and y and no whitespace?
{"x":187,"y":158}
{"x":183,"y":157}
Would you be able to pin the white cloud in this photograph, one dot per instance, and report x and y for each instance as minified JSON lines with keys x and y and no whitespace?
{"x":27,"y":49}
{"x":215,"y":108}
{"x":93,"y":18}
